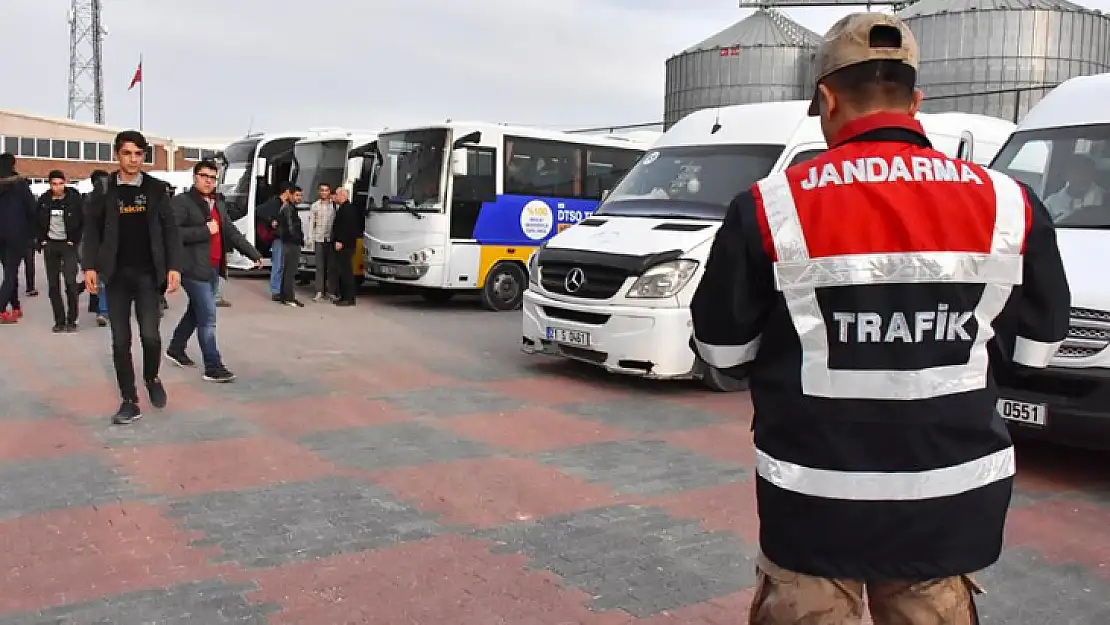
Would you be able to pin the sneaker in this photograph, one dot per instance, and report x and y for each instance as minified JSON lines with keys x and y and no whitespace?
{"x":17,"y":312}
{"x":71,"y":327}
{"x":128,"y":413}
{"x":8,"y":318}
{"x":157,"y":393}
{"x":58,"y":328}
{"x":219,"y":374}
{"x":223,"y":303}
{"x":294,"y":303}
{"x":181,"y":359}
{"x":101,"y":320}
{"x":32,"y":292}
{"x":318,"y":297}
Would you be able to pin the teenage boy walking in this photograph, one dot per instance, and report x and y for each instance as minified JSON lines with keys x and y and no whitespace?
{"x":60,"y":223}
{"x":139,"y":250}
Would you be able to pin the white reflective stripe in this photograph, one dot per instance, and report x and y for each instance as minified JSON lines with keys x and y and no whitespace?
{"x":899,"y":268}
{"x":1034,"y":353}
{"x":817,"y":378}
{"x":782,"y":218}
{"x":906,"y":486}
{"x":725,"y":356}
{"x":1009,"y":215}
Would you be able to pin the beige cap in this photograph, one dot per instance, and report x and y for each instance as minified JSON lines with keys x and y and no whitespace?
{"x":848,"y":43}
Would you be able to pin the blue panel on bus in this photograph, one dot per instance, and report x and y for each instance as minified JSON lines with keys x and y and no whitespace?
{"x":528,"y":220}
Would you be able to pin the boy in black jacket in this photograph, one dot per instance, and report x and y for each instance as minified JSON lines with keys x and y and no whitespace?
{"x":60,"y":222}
{"x":17,"y":215}
{"x":291,"y":234}
{"x":132,"y":243}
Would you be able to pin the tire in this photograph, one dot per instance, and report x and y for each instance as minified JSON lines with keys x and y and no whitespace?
{"x":718,"y":382}
{"x":437,"y":296}
{"x":504,"y":287}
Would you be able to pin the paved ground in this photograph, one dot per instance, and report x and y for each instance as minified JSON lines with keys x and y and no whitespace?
{"x":401,"y":463}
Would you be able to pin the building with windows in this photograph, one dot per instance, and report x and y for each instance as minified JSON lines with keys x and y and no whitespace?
{"x":42,"y":144}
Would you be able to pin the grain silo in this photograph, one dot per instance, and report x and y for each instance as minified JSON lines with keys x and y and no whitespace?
{"x":999,"y":57}
{"x":765,"y":57}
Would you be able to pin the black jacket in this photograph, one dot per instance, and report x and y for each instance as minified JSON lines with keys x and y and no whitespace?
{"x":102,"y":229}
{"x":190,"y":212}
{"x":348,"y":225}
{"x":290,"y":229}
{"x":17,"y":210}
{"x":72,"y":204}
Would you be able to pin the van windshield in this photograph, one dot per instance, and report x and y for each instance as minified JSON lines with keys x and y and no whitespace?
{"x":1069,"y":168}
{"x":695,"y":182}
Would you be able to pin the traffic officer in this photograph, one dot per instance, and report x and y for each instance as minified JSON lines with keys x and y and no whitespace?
{"x":864,"y":291}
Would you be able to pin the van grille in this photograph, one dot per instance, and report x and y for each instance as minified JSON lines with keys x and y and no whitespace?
{"x":1088,"y":334}
{"x":601,"y":282}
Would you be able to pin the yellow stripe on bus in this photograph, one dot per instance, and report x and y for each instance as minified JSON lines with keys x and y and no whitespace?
{"x":490,"y":255}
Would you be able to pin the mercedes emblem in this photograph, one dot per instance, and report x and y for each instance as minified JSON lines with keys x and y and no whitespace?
{"x":576,"y":279}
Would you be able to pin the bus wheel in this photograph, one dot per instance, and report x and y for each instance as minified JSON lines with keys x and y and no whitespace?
{"x":714,"y":380}
{"x":437,"y":296}
{"x":504,"y":288}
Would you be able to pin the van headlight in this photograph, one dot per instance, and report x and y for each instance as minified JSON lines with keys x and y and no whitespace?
{"x":534,"y":267}
{"x":663,"y":280}
{"x":422,"y":256}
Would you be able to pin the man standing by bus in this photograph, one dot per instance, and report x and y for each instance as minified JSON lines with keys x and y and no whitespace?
{"x":346,"y":231}
{"x":132,"y":243}
{"x":321,"y":216}
{"x":865,"y":290}
{"x":291,"y":234}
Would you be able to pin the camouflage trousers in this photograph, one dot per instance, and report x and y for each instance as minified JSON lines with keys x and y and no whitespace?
{"x":784,"y":597}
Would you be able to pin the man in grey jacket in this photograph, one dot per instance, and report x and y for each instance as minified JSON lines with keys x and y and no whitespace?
{"x":207,"y":234}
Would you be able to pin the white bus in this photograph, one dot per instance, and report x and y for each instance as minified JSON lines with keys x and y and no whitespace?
{"x":252,"y":169}
{"x":461,"y":205}
{"x":334,"y":158}
{"x":615,"y":290}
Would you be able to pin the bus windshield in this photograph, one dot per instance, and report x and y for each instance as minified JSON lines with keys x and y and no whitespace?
{"x":695,"y":182}
{"x":235,"y":177}
{"x":411,"y":170}
{"x":1068,"y":168}
{"x":320,"y":162}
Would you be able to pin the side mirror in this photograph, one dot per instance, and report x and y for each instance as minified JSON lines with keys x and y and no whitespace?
{"x":458,"y":161}
{"x":966,"y":149}
{"x":260,"y":167}
{"x":604,"y":194}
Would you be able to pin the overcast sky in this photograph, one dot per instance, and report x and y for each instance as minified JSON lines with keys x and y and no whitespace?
{"x":214,"y":68}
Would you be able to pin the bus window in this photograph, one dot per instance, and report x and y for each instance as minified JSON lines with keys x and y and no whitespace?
{"x":605,"y":167}
{"x":542,"y":168}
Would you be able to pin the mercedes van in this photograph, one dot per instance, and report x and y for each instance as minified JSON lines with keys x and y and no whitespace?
{"x":1062,"y":150}
{"x":615,"y":289}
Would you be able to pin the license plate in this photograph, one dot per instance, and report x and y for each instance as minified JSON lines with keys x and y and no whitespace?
{"x":387,"y":270}
{"x":569,"y":337}
{"x":1023,"y":412}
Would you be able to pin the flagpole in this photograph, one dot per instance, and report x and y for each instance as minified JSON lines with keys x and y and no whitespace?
{"x":142,"y":81}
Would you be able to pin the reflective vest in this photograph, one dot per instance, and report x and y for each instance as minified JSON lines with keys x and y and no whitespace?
{"x":878,"y":451}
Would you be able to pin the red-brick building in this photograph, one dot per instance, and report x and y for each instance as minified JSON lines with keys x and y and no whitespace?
{"x":41,"y":144}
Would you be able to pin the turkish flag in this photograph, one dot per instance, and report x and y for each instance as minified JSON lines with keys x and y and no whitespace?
{"x":137,"y":78}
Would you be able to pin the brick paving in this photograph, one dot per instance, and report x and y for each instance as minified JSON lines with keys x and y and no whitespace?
{"x":399,"y":463}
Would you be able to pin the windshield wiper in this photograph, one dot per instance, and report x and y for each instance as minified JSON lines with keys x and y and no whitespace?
{"x":408,"y":205}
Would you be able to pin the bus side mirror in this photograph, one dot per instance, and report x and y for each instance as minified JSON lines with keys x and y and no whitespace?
{"x":260,"y":167}
{"x":458,"y":161}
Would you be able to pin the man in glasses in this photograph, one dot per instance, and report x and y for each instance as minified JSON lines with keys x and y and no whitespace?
{"x":207,"y":234}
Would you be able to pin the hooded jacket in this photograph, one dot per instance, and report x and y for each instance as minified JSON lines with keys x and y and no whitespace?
{"x":72,"y":204}
{"x":17,"y":210}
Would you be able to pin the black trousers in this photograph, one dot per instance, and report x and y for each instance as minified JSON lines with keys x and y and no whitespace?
{"x":60,"y":259}
{"x":29,"y":267}
{"x":290,"y":258}
{"x":11,"y":254}
{"x":140,"y":288}
{"x":346,"y":273}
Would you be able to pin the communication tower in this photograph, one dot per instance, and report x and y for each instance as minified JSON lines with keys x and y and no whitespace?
{"x":86,"y":76}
